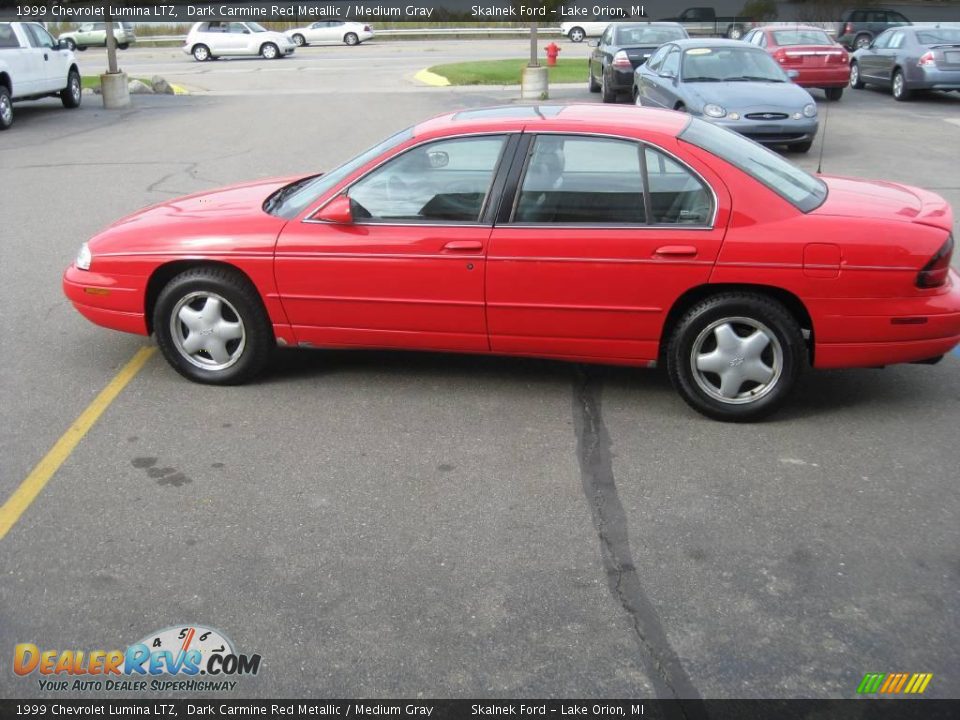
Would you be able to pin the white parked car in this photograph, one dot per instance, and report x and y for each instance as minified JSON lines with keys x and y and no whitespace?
{"x":579,"y":31}
{"x":33,"y":65}
{"x":212,"y":40}
{"x":349,"y":33}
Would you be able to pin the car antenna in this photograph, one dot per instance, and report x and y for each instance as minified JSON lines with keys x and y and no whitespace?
{"x":823,"y":138}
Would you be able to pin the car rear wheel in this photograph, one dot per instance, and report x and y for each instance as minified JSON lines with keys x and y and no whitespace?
{"x":735,"y":32}
{"x":576,"y":34}
{"x":592,"y":83}
{"x":899,"y":86}
{"x":300,"y":40}
{"x":6,"y":108}
{"x":201,"y":53}
{"x":855,"y":80}
{"x":736,"y":356}
{"x":606,"y":92}
{"x":861,"y":42}
{"x":834,"y":93}
{"x":72,"y":94}
{"x":269,"y":51}
{"x":211,"y":327}
{"x":351,"y":39}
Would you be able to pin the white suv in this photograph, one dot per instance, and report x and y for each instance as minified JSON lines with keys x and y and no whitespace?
{"x":211,"y":40}
{"x":33,"y":65}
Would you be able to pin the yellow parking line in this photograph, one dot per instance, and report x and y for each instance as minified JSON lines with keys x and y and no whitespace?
{"x":429,"y":78}
{"x":17,"y":503}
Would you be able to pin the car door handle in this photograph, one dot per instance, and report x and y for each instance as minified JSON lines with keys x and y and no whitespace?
{"x":676,"y":251}
{"x":463,"y":245}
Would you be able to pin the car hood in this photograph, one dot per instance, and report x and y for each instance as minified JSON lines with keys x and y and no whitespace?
{"x":879,"y":199}
{"x":750,"y":95}
{"x":205,"y":222}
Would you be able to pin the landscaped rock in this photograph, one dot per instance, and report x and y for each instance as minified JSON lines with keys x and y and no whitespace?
{"x":161,"y":86}
{"x":138,"y":87}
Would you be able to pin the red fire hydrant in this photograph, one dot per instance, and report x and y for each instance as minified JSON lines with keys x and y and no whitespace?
{"x":552,"y":51}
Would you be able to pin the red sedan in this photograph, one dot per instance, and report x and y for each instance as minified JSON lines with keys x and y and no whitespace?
{"x":807,"y":54}
{"x":580,"y":232}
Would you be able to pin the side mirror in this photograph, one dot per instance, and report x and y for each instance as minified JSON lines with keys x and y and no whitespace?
{"x":63,"y":45}
{"x":336,"y":211}
{"x":668,"y":74}
{"x":594,"y":43}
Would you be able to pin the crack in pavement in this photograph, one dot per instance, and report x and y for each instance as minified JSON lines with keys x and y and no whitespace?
{"x":664,"y":668}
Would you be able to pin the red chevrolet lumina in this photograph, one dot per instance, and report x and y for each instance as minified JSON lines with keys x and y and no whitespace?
{"x":580,"y":232}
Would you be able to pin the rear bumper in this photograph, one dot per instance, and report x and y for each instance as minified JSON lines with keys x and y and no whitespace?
{"x":935,"y":79}
{"x":824,"y":77}
{"x":896,"y":330}
{"x":113,"y":301}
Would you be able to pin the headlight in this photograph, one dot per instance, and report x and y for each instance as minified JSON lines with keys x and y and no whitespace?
{"x":714,"y":111}
{"x":810,"y":110}
{"x":83,"y":257}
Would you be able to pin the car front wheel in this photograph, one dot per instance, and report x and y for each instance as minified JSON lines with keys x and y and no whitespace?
{"x":211,"y":326}
{"x":72,"y":94}
{"x":6,"y":108}
{"x":855,"y":80}
{"x":300,"y":40}
{"x":201,"y":53}
{"x":351,"y":39}
{"x":269,"y":51}
{"x":736,"y":356}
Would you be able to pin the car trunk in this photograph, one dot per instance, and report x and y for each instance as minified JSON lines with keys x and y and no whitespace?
{"x":802,"y":57}
{"x":639,"y":55}
{"x":947,"y":57}
{"x":885,"y":200}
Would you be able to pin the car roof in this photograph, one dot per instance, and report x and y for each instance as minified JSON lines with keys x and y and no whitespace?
{"x":569,"y":117}
{"x":798,"y":26}
{"x":711,"y":43}
{"x":647,"y":24}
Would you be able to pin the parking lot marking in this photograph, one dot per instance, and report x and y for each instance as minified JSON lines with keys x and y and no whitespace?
{"x":24,"y":495}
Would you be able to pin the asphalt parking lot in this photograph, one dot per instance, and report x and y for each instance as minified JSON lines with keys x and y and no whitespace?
{"x":386,"y":524}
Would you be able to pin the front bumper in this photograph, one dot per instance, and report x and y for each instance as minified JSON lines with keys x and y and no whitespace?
{"x":113,"y":301}
{"x":771,"y":132}
{"x":897,"y":330}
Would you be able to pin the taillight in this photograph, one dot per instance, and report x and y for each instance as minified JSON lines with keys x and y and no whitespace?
{"x":366,"y":28}
{"x":927,"y":59}
{"x":848,"y":29}
{"x":935,"y":272}
{"x":621,"y":61}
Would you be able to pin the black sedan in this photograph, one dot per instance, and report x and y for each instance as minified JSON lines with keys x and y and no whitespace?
{"x":623,"y":48}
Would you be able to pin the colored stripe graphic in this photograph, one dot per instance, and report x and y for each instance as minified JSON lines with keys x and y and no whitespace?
{"x":894,"y":683}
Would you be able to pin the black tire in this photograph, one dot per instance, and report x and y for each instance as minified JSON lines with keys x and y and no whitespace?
{"x":576,"y":34}
{"x":72,"y":94}
{"x":269,"y":51}
{"x":592,"y":83}
{"x":300,"y":40}
{"x":123,"y":46}
{"x":606,"y":94}
{"x":6,"y":108}
{"x":833,"y":93}
{"x":861,"y":41}
{"x":785,"y":354}
{"x":856,"y":82}
{"x":898,"y":86}
{"x":351,"y":39}
{"x":243,"y":301}
{"x":802,"y":147}
{"x":735,"y":32}
{"x":201,"y":53}
{"x":82,"y":48}
{"x":71,"y":44}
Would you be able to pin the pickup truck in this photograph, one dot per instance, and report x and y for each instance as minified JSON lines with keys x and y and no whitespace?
{"x":703,"y":21}
{"x":33,"y":65}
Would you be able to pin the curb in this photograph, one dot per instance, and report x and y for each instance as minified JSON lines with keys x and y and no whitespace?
{"x":432,"y":79}
{"x":179,"y":90}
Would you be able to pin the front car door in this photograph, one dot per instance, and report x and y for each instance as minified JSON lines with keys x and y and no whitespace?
{"x":602,"y":235}
{"x":408,"y":271}
{"x":871,"y":59}
{"x":52,"y":60}
{"x":647,"y":76}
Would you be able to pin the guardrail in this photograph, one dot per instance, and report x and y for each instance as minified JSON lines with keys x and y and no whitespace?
{"x":425,"y":32}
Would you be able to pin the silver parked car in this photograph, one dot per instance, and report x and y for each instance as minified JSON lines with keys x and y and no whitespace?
{"x":732,"y":84}
{"x":907,"y":59}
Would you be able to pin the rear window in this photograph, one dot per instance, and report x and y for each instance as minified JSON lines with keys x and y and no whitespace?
{"x":7,"y":37}
{"x":796,"y":186}
{"x":940,"y":36}
{"x":802,"y":37}
{"x":649,"y":35}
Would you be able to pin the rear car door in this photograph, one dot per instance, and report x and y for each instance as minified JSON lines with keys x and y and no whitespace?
{"x":600,"y":238}
{"x":408,"y":271}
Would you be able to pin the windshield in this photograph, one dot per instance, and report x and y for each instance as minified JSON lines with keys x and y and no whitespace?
{"x":799,"y":188}
{"x":730,"y":64}
{"x":648,"y":35}
{"x":802,"y":37}
{"x":940,"y":36}
{"x":256,"y":27}
{"x":291,"y":200}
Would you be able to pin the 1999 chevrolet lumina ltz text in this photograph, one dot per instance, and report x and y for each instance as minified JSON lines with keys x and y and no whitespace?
{"x":585,"y":233}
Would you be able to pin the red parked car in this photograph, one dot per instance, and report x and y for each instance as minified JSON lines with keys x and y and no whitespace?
{"x":807,"y":54}
{"x":581,"y":232}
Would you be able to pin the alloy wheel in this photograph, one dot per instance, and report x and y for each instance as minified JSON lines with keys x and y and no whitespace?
{"x":6,"y":110}
{"x":207,"y":330}
{"x":736,"y":360}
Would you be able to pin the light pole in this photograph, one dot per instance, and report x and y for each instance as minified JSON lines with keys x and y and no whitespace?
{"x":534,"y":80}
{"x":113,"y":83}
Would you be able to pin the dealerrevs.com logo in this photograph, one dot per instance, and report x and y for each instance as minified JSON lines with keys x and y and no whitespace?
{"x":181,"y":658}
